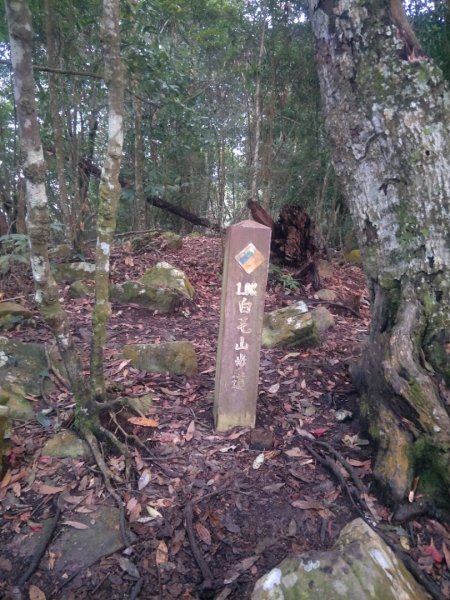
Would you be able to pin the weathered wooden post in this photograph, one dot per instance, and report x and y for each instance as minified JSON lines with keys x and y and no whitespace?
{"x":244,"y":279}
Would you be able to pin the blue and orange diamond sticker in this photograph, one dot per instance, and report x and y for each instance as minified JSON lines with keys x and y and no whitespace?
{"x":250,"y":258}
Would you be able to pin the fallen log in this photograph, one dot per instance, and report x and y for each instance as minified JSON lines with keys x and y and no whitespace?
{"x":90,"y":168}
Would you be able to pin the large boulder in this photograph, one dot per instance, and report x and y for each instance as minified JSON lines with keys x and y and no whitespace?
{"x":11,"y":314}
{"x":178,"y":358}
{"x":23,"y":371}
{"x":160,"y":288}
{"x":360,"y":567}
{"x":163,"y":275}
{"x":73,"y":271}
{"x":290,"y":326}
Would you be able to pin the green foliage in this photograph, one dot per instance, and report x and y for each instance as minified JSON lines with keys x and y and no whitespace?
{"x":193,"y":65}
{"x":278,"y":276}
{"x":432,"y":25}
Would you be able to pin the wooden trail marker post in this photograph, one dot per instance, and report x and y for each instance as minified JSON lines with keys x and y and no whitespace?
{"x":244,"y":280}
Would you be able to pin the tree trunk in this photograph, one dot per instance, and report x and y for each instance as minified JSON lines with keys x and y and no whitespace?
{"x":388,"y":119}
{"x":258,"y":117}
{"x":140,"y":205}
{"x":109,"y":191}
{"x":38,"y":220}
{"x":56,"y":122}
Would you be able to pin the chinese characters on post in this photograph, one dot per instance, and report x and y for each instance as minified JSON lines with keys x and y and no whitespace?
{"x":242,"y":310}
{"x":244,"y":306}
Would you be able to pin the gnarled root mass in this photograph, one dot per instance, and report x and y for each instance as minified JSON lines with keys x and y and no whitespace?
{"x":400,"y":398}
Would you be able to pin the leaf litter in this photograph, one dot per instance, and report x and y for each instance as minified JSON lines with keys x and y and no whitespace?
{"x":248,"y":509}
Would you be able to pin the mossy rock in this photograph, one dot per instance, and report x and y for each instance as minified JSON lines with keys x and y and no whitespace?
{"x":178,"y":358}
{"x":161,"y":288}
{"x":24,"y":368}
{"x":161,"y":300}
{"x":354,"y":256}
{"x":290,"y":326}
{"x":165,"y":276}
{"x":360,"y":566}
{"x":11,"y":314}
{"x":141,"y":404}
{"x":172,"y":240}
{"x":142,"y":241}
{"x":322,"y":318}
{"x":73,"y":271}
{"x":63,"y":251}
{"x":325,"y":294}
{"x":66,"y":444}
{"x":80,"y":289}
{"x":325,"y":268}
{"x":13,"y":396}
{"x":22,"y":364}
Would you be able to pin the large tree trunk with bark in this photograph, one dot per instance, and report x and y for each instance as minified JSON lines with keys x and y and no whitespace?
{"x":388,"y":118}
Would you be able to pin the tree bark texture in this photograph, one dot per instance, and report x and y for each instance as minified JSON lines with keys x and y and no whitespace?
{"x":56,"y":122}
{"x":109,"y":191}
{"x":388,"y":120}
{"x":293,"y":235}
{"x":140,"y":204}
{"x":38,"y":220}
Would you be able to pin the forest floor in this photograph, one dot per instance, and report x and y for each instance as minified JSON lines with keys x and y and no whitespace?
{"x":245,"y":519}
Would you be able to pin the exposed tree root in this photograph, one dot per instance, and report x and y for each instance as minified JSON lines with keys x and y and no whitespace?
{"x":356,"y":500}
{"x":400,"y":400}
{"x":348,"y":467}
{"x":41,"y":546}
{"x":107,"y":476}
{"x":202,"y":564}
{"x":136,"y":440}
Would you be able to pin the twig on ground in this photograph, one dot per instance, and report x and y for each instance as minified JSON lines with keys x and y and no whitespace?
{"x":148,"y":455}
{"x":107,"y":476}
{"x":335,"y":304}
{"x":348,"y":467}
{"x":136,"y":589}
{"x":330,"y":465}
{"x":41,"y":546}
{"x":202,"y":564}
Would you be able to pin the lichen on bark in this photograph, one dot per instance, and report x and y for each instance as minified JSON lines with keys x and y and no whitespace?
{"x":109,"y":191}
{"x":392,"y":153}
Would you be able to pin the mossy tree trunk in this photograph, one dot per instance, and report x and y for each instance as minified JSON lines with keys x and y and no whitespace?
{"x":109,"y":191}
{"x":38,"y":220}
{"x":388,"y":119}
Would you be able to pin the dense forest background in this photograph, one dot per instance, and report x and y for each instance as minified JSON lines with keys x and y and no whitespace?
{"x":221,"y":104}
